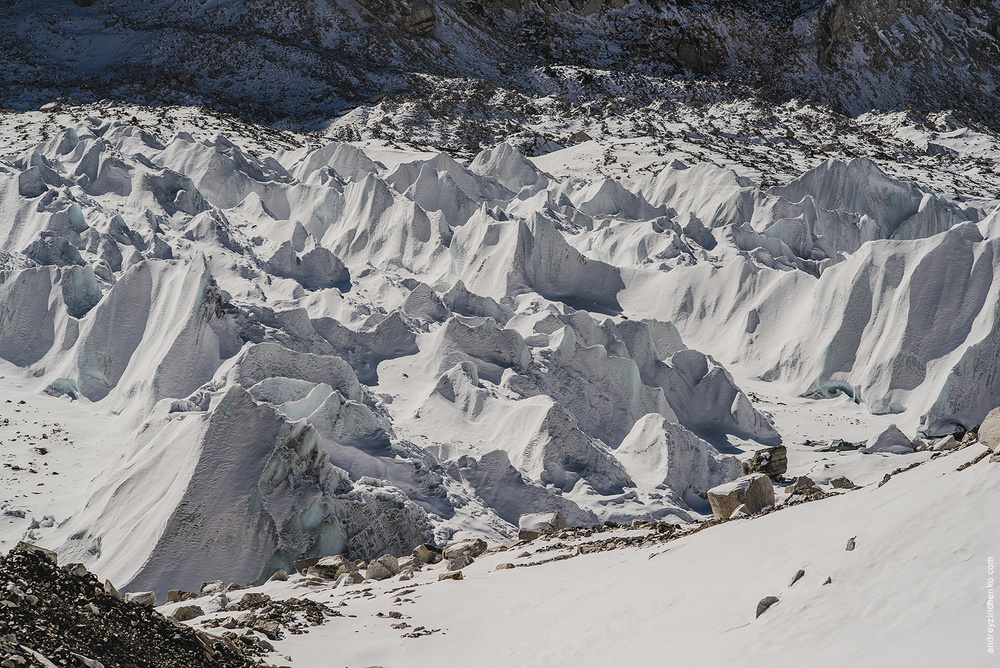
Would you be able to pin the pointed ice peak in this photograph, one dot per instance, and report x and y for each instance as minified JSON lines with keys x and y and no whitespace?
{"x":506,"y":164}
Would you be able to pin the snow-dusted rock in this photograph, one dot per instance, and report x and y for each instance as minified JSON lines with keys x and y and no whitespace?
{"x":472,"y":547}
{"x":531,"y":525}
{"x":754,"y":491}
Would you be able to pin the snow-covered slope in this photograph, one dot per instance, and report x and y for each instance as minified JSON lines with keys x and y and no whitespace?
{"x":350,"y":347}
{"x":695,"y":598}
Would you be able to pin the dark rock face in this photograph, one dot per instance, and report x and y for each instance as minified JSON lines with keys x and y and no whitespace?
{"x":769,"y":461}
{"x":420,"y":20}
{"x":63,"y":616}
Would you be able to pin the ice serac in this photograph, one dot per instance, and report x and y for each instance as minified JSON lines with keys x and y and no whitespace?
{"x":151,"y":336}
{"x":503,"y":488}
{"x":659,"y":453}
{"x":501,"y":259}
{"x":505,"y":164}
{"x":258,"y":494}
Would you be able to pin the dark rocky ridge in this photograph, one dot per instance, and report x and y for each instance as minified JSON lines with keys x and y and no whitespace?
{"x":309,"y":59}
{"x":65,"y":616}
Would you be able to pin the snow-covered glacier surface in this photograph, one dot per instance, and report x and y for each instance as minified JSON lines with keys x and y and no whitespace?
{"x":262,"y":356}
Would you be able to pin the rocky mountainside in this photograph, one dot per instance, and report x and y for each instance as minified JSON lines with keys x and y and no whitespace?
{"x":307,"y":60}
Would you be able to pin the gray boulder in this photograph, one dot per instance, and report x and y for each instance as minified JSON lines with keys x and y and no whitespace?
{"x":472,"y":547}
{"x":382,"y":568}
{"x":458,"y":563}
{"x":989,"y":430}
{"x":333,"y":567}
{"x":187,"y":612}
{"x":427,"y":554}
{"x":147,"y":598}
{"x":770,"y":461}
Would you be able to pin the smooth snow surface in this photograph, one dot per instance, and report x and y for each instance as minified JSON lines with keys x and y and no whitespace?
{"x":262,"y":355}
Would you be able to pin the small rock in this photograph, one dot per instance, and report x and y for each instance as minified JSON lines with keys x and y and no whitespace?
{"x":850,"y":544}
{"x":944,"y":444}
{"x":765,"y":603}
{"x":79,"y":570}
{"x":453,"y":575}
{"x":504,"y":566}
{"x":214,"y":585}
{"x":828,"y":581}
{"x":187,"y":612}
{"x":279,"y":575}
{"x":797,"y":577}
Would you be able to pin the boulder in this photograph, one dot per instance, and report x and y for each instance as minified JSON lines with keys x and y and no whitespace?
{"x":802,"y":485}
{"x":110,"y":590}
{"x":187,"y":612}
{"x":531,"y":526}
{"x":891,"y":440}
{"x":471,"y":547}
{"x":333,"y":567}
{"x":303,"y":565}
{"x":382,"y":568}
{"x":766,"y":603}
{"x":754,"y":491}
{"x":147,"y":598}
{"x":944,"y":444}
{"x":458,"y":563}
{"x":842,"y":482}
{"x":279,"y":575}
{"x":427,"y":554}
{"x":178,"y":595}
{"x":769,"y":461}
{"x":352,"y":578}
{"x":989,"y":430}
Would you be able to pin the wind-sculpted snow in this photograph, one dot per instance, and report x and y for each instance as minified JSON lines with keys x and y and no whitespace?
{"x":323,"y":350}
